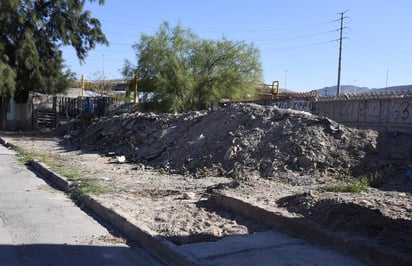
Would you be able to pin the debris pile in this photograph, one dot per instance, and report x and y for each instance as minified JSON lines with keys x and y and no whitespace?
{"x":233,"y":140}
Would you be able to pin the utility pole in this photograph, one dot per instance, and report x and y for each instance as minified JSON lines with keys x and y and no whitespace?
{"x":286,"y":78}
{"x":340,"y":52}
{"x":387,"y":76}
{"x":103,"y":67}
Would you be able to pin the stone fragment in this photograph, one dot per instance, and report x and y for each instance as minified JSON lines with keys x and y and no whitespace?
{"x":189,"y":196}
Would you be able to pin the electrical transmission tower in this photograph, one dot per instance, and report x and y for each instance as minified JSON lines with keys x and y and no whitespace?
{"x":340,"y":51}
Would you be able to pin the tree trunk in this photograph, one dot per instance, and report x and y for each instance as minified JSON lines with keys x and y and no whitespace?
{"x":3,"y":112}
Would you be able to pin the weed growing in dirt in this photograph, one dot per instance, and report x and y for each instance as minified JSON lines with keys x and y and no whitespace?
{"x":351,"y":185}
{"x":82,"y":186}
{"x":237,"y":172}
{"x":162,"y":171}
{"x":375,"y":179}
{"x":24,"y":156}
{"x":80,"y":183}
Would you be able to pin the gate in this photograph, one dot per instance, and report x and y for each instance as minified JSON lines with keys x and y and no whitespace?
{"x":50,"y":111}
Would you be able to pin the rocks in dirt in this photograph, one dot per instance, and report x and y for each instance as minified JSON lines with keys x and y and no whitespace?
{"x":300,"y":203}
{"x":189,"y":196}
{"x":237,"y":139}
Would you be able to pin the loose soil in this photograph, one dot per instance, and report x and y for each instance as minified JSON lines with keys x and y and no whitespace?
{"x":280,"y":160}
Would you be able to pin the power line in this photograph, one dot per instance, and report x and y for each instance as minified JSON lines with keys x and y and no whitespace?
{"x":378,"y":41}
{"x":366,"y":52}
{"x":129,"y":24}
{"x":298,"y":46}
{"x":280,"y":30}
{"x":375,"y":45}
{"x":298,"y":37}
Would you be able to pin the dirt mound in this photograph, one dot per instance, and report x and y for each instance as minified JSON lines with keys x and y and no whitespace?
{"x":232,"y":140}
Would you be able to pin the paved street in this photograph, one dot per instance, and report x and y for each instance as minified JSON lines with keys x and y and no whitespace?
{"x":42,"y":226}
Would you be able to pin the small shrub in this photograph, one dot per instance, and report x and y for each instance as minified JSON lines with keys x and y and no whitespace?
{"x":350,"y":186}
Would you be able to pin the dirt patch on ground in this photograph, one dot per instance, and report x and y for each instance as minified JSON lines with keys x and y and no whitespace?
{"x":353,"y":217}
{"x":280,"y":160}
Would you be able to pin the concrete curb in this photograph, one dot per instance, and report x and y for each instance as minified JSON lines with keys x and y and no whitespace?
{"x":163,"y":249}
{"x":7,"y":144}
{"x":294,"y":226}
{"x":57,"y":180}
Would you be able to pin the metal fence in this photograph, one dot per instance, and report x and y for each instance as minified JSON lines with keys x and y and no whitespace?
{"x":49,"y":111}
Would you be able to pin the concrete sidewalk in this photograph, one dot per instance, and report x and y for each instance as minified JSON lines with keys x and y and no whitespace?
{"x":266,"y":248}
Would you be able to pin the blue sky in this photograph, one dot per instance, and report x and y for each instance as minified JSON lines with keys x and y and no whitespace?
{"x":297,"y":38}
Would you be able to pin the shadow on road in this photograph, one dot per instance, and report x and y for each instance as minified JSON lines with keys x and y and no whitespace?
{"x":55,"y":254}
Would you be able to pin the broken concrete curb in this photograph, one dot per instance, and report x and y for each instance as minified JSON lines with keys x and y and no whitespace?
{"x":299,"y":228}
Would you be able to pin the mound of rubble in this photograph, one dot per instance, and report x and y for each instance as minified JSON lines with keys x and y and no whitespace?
{"x":232,"y":140}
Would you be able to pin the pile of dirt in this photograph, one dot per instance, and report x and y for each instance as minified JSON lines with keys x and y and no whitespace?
{"x":233,"y":140}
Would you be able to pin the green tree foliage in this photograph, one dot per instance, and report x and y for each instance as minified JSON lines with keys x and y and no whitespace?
{"x":32,"y":32}
{"x":186,"y":72}
{"x":7,"y":82}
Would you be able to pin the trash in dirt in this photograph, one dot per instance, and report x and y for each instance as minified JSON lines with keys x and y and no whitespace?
{"x":197,"y":140}
{"x":110,"y":154}
{"x":121,"y":159}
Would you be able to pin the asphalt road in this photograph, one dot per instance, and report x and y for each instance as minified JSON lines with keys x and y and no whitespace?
{"x":42,"y":226}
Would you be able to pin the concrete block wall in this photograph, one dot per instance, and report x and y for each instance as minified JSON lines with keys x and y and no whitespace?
{"x":387,"y":114}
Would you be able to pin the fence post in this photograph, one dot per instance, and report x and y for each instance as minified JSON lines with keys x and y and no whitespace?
{"x":135,"y":98}
{"x":55,"y":113}
{"x":82,"y":85}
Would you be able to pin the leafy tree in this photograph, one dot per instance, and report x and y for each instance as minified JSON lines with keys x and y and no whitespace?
{"x":186,"y":72}
{"x":32,"y":32}
{"x":7,"y":82}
